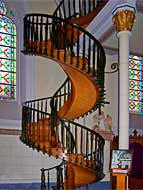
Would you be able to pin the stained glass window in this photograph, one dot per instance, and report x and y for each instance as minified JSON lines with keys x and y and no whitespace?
{"x":135,"y":84}
{"x":7,"y":56}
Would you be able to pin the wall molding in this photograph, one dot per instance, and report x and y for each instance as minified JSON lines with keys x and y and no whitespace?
{"x":10,"y":127}
{"x":10,"y":132}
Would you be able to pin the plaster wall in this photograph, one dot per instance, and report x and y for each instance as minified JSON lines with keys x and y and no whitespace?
{"x":20,"y":164}
{"x":48,"y":77}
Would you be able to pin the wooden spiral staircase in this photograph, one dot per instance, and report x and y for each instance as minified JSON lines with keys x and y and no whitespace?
{"x":48,"y":124}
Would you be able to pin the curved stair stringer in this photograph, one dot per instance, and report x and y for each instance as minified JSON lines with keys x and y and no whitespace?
{"x":83,"y":87}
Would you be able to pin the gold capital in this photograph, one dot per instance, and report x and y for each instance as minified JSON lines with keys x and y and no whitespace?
{"x":123,"y":20}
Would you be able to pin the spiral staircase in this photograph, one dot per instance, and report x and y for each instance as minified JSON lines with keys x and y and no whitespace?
{"x":51,"y":124}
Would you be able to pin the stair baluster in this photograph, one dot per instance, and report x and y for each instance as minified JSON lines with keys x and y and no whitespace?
{"x":43,"y":185}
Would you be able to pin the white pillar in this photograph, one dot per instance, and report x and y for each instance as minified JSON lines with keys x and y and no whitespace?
{"x":124,"y":89}
{"x":123,"y":19}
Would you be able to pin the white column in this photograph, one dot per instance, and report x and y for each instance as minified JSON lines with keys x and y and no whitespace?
{"x":123,"y":19}
{"x":124,"y":89}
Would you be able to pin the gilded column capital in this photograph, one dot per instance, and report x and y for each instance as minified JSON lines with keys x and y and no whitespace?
{"x":124,"y":20}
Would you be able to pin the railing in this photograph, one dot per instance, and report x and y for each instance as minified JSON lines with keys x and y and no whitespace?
{"x":39,"y":28}
{"x":58,"y":100}
{"x":87,"y":142}
{"x":71,"y":137}
{"x":47,"y":174}
{"x":76,"y":8}
{"x":77,"y":139}
{"x":37,"y":133}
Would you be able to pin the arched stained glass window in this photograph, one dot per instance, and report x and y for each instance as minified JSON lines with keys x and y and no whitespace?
{"x":7,"y":56}
{"x":135,"y":84}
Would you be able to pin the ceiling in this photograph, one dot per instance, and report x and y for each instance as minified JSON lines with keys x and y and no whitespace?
{"x":136,"y":39}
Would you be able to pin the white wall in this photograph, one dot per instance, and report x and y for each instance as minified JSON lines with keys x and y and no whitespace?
{"x":48,"y":77}
{"x":111,"y":87}
{"x":19,"y":163}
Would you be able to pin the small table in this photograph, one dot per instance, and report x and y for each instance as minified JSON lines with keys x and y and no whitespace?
{"x":121,"y":178}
